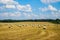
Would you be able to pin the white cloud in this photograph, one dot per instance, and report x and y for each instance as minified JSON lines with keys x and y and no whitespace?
{"x":13,"y":4}
{"x":43,"y":16}
{"x":8,"y":2}
{"x":5,"y":0}
{"x":26,"y":8}
{"x":43,"y":9}
{"x":51,"y":12}
{"x":49,"y":1}
{"x":56,"y":14}
{"x":12,"y":14}
{"x":16,"y":14}
{"x":31,"y":16}
{"x":27,"y":15}
{"x":9,"y":9}
{"x":34,"y":15}
{"x":10,"y":6}
{"x":59,"y":10}
{"x":49,"y":8}
{"x":6,"y":14}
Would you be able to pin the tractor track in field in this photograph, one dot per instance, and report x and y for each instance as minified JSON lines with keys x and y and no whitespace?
{"x":50,"y":34}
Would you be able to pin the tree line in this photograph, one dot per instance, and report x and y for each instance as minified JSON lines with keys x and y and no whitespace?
{"x":31,"y":20}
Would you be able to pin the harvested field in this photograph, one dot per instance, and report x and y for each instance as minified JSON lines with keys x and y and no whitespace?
{"x":29,"y":31}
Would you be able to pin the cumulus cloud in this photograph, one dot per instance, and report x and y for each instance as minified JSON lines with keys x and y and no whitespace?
{"x":31,"y":15}
{"x":11,"y":8}
{"x":26,"y":8}
{"x":8,"y":2}
{"x":49,"y":1}
{"x":16,"y":14}
{"x":49,"y":8}
{"x":15,"y":5}
{"x":34,"y":15}
{"x":42,"y":16}
{"x":6,"y":14}
{"x":54,"y":12}
{"x":43,"y":9}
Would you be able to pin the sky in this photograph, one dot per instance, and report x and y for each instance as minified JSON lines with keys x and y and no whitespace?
{"x":29,"y":9}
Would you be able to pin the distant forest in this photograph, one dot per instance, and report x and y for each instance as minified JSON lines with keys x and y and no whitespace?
{"x":36,"y":20}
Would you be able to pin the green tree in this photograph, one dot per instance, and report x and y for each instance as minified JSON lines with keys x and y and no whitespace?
{"x":58,"y":21}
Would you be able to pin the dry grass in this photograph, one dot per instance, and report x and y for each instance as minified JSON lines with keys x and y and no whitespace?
{"x":29,"y":31}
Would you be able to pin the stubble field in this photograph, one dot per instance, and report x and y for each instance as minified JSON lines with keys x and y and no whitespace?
{"x":29,"y":31}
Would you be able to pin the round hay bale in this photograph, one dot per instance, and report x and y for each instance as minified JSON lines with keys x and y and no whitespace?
{"x":44,"y":27}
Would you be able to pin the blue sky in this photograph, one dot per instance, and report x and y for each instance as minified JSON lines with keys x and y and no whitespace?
{"x":29,"y":9}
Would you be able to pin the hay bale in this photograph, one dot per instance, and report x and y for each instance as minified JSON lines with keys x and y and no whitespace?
{"x":44,"y":27}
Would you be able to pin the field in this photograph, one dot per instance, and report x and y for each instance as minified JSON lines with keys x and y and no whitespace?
{"x":29,"y":31}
